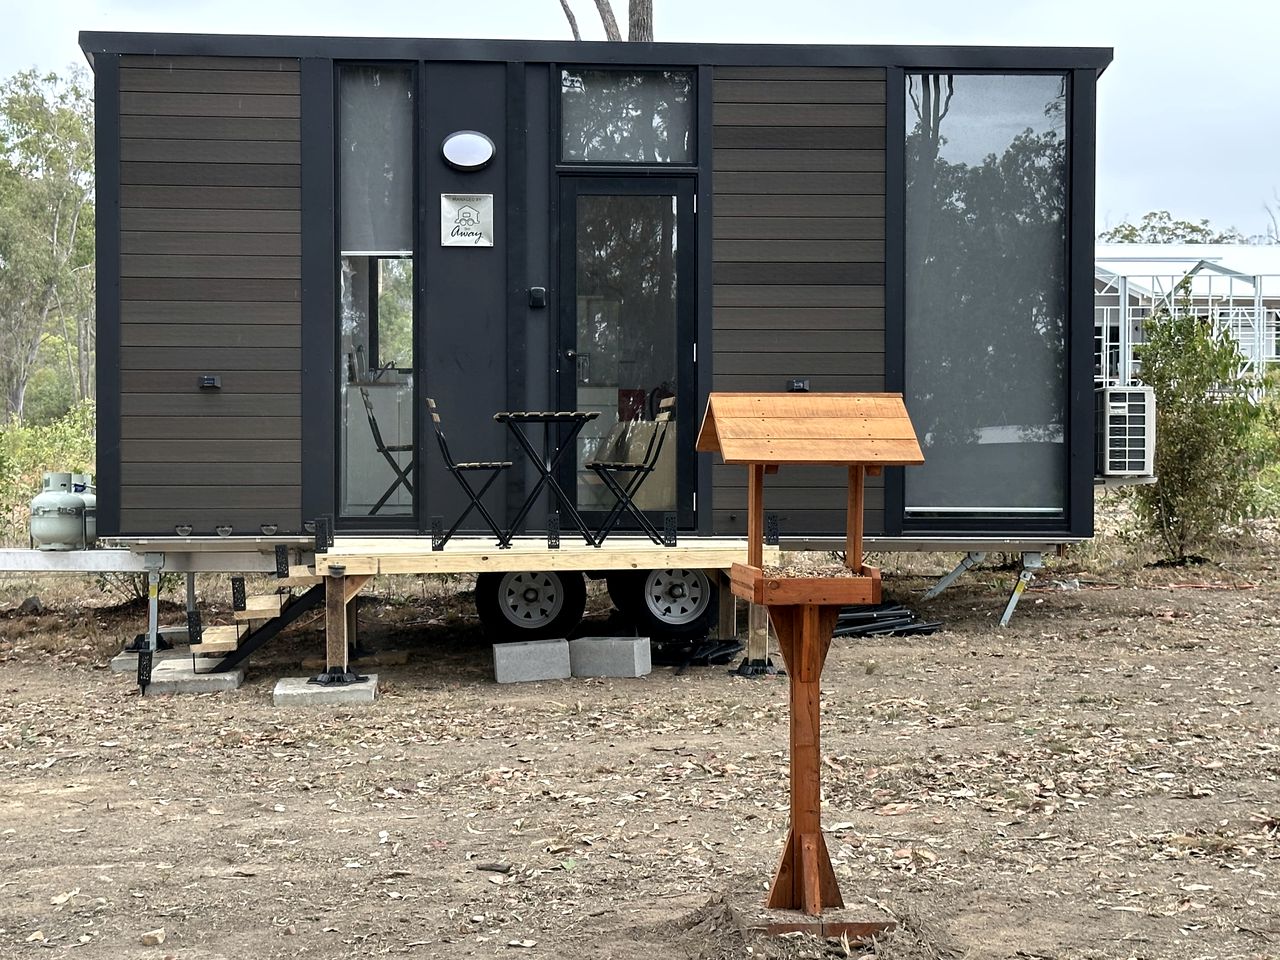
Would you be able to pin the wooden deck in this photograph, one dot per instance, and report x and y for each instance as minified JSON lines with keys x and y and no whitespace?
{"x":359,"y":556}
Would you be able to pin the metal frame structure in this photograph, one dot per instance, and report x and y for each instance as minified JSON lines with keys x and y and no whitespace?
{"x":1130,"y":286}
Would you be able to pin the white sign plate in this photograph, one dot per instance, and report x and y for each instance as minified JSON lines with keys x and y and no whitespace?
{"x":466,"y":219}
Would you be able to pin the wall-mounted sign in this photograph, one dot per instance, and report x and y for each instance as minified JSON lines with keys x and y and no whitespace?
{"x":466,"y":219}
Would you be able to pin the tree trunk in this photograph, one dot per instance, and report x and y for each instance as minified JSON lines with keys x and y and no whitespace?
{"x":610,"y":23}
{"x":640,"y":21}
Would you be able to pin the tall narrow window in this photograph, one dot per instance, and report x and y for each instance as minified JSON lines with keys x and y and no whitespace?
{"x":986,"y":299}
{"x":375,"y":277}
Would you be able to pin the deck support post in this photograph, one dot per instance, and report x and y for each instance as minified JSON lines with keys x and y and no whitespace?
{"x":339,"y":590}
{"x":154,"y":563}
{"x":805,"y":879}
{"x":727,"y":625}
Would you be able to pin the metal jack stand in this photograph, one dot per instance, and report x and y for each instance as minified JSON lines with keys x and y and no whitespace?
{"x":1030,"y":563}
{"x":154,"y":563}
{"x":757,"y":662}
{"x":971,"y":560}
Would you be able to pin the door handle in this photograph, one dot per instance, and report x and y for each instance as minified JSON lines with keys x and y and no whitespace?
{"x":570,"y":353}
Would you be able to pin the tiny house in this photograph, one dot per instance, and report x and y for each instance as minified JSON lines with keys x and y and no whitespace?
{"x":300,"y":240}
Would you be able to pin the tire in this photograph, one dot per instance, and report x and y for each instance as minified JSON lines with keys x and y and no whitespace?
{"x":529,"y":604}
{"x":674,"y":602}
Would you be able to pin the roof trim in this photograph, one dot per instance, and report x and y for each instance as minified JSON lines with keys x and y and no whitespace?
{"x":1053,"y":59}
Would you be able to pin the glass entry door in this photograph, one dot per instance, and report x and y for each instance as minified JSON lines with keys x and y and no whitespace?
{"x":626,"y":347}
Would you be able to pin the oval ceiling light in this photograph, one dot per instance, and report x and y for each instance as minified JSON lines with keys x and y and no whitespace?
{"x":467,"y":150}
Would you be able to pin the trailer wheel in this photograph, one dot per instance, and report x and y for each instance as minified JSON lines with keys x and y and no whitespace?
{"x":625,"y":587}
{"x":673,"y":602}
{"x":529,"y":604}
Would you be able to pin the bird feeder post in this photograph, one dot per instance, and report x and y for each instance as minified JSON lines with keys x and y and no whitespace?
{"x":862,"y":432}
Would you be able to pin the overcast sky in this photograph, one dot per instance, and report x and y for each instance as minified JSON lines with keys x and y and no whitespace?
{"x":1189,"y":112}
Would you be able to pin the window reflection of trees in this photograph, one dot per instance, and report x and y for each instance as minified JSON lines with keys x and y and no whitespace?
{"x":626,"y":286}
{"x":986,"y":261}
{"x":617,"y":116}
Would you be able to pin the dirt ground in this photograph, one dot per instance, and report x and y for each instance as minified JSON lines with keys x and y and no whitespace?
{"x":1097,"y":780}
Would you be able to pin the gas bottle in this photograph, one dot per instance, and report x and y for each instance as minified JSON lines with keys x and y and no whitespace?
{"x":82,"y":485}
{"x":57,"y":515}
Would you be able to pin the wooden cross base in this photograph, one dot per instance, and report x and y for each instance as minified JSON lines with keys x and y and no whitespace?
{"x":805,"y":880}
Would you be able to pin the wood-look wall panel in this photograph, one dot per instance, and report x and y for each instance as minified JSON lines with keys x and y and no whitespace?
{"x":161,"y":62}
{"x":210,"y":261}
{"x":167,"y":288}
{"x":208,"y":105}
{"x":211,"y":428}
{"x":211,"y":198}
{"x":798,"y":138}
{"x":204,"y":498}
{"x":794,"y":523}
{"x":808,"y":362}
{"x":839,"y":340}
{"x":200,"y":449}
{"x":210,"y":359}
{"x":207,"y":473}
{"x":160,"y":521}
{"x":797,"y":228}
{"x":800,"y":183}
{"x":800,"y":205}
{"x":767,"y":321}
{"x":773,"y":383}
{"x":195,"y":402}
{"x":193,"y":174}
{"x":798,"y":258}
{"x":801,"y":114}
{"x":193,"y":335}
{"x":185,"y":219}
{"x":799,"y":91}
{"x":200,"y":243}
{"x":270,"y":386}
{"x":162,"y":80}
{"x":188,"y":313}
{"x":799,"y":161}
{"x":217,"y":267}
{"x":139,"y":127}
{"x":796,"y":295}
{"x":162,"y":150}
{"x":856,"y":274}
{"x":785,"y":75}
{"x":771,"y":250}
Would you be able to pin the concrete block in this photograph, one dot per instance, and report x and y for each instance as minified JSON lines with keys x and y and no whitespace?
{"x":178,"y":676}
{"x":297,"y":692}
{"x":610,"y":657}
{"x":531,"y":660}
{"x":126,"y":661}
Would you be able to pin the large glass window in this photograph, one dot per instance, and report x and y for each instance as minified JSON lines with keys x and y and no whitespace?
{"x":375,"y":278}
{"x":986,"y":299}
{"x":619,"y":116}
{"x":626,"y":326}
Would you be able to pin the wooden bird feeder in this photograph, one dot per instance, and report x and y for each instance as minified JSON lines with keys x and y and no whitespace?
{"x":863,"y":432}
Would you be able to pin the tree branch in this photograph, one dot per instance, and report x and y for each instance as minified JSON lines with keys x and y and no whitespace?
{"x":573,"y":21}
{"x":607,"y":18}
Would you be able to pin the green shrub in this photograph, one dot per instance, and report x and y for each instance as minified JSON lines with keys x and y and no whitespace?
{"x":1215,"y":435}
{"x":28,"y":450}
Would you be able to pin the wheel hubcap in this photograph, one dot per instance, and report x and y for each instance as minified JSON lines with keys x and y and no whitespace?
{"x":531,"y":599}
{"x":677,"y":596}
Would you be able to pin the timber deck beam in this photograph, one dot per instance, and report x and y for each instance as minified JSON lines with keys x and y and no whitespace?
{"x":358,"y":556}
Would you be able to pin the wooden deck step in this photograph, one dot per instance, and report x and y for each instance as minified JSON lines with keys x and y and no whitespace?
{"x":261,"y":607}
{"x":220,"y":639}
{"x":298,"y":580}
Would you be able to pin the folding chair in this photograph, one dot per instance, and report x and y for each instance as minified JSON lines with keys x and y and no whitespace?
{"x":460,"y":471}
{"x":625,"y":477}
{"x":388,"y":452}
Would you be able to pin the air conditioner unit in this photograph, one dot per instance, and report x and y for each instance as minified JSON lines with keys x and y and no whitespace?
{"x":1126,"y":431}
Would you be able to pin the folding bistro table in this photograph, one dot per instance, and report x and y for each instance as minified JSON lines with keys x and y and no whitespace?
{"x":546,"y":461}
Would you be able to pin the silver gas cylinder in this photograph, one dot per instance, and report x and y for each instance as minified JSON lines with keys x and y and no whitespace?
{"x":57,"y":515}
